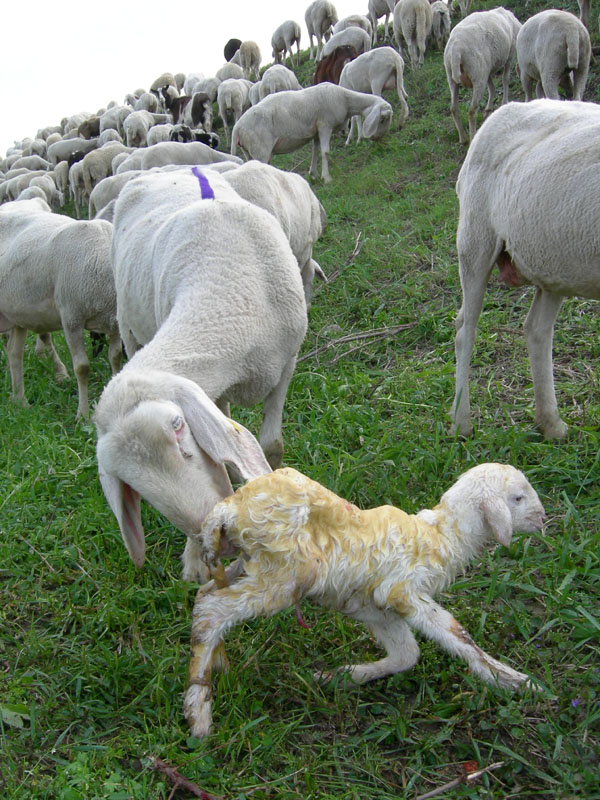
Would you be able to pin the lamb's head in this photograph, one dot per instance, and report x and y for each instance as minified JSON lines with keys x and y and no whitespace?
{"x":161,"y":438}
{"x":495,"y":498}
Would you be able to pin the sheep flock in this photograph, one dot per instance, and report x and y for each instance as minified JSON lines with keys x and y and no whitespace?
{"x":165,"y":226}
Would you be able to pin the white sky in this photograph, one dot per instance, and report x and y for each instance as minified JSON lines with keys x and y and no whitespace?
{"x":60,"y":57}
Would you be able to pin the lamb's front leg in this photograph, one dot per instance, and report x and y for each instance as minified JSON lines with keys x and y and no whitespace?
{"x":390,"y":631}
{"x":212,"y":616}
{"x":438,"y":624}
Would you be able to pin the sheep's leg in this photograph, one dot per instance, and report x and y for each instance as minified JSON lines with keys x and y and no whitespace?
{"x":478,"y":92}
{"x":539,"y":331}
{"x":45,"y":340}
{"x":324,"y":139}
{"x":527,"y":82}
{"x":15,"y":349}
{"x":390,"y":631}
{"x":115,"y":352}
{"x":579,"y":80}
{"x":354,"y":123}
{"x":81,"y":365}
{"x":436,"y":623}
{"x":270,"y":435}
{"x":455,"y":111}
{"x":505,"y":81}
{"x":212,"y":616}
{"x":476,"y":255}
{"x":489,"y":107}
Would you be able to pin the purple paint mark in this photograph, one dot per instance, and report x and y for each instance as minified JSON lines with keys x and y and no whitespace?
{"x":205,"y":187}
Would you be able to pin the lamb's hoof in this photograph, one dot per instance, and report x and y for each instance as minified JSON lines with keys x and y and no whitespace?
{"x":323,"y":676}
{"x":61,"y":377}
{"x":197,"y":710}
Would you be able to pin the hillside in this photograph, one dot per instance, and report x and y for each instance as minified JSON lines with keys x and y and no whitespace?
{"x":93,"y":653}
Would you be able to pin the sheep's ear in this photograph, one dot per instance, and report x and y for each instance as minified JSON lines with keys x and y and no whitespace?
{"x":497,"y":515}
{"x":125,"y":504}
{"x":224,"y":440}
{"x":372,"y":122}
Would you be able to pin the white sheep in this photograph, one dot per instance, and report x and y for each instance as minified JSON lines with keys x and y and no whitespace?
{"x":372,"y":72}
{"x":98,"y":165}
{"x":55,"y":273}
{"x":553,"y":48}
{"x":137,"y":124}
{"x":77,"y":187}
{"x":254,"y":93}
{"x":233,"y":99}
{"x":108,"y":189}
{"x":378,"y":9}
{"x":283,"y":122}
{"x":289,"y":198}
{"x":380,"y":566}
{"x":209,"y":86}
{"x":319,"y":17}
{"x":478,"y":47}
{"x":173,"y":153}
{"x":413,"y":19}
{"x":528,"y":192}
{"x":148,"y":102}
{"x":109,"y":135}
{"x":353,"y":36}
{"x":31,"y":162}
{"x":208,"y":283}
{"x":440,"y":23}
{"x":52,"y":194}
{"x":113,"y":118}
{"x":277,"y":78}
{"x":159,"y":133}
{"x":287,"y":34}
{"x":229,"y":70}
{"x":14,"y":186}
{"x":63,"y":150}
{"x":353,"y":21}
{"x":61,"y":178}
{"x":250,"y":58}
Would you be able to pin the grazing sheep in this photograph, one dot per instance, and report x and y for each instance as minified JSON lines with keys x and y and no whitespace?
{"x":52,"y":195}
{"x":354,"y":20}
{"x":108,"y":189}
{"x":61,"y":178}
{"x":207,"y":86}
{"x":380,"y":566}
{"x":481,"y":45}
{"x":185,"y":243}
{"x":372,"y":72}
{"x":165,"y":153}
{"x":76,"y":187}
{"x":166,"y":79}
{"x":149,"y":102}
{"x":440,"y":23}
{"x":287,"y":34}
{"x":250,"y":58}
{"x":137,"y":125}
{"x":62,"y":151}
{"x":229,"y":71}
{"x":319,"y":17}
{"x":528,"y":190}
{"x":330,"y":68}
{"x":277,"y":78}
{"x":159,"y":133}
{"x":233,"y":99}
{"x":109,"y":135}
{"x":414,"y":19}
{"x":289,"y":198}
{"x":113,"y":118}
{"x":231,"y":48}
{"x":98,"y":165}
{"x":55,"y":273}
{"x":553,"y":47}
{"x":14,"y":186}
{"x":377,"y":9}
{"x":353,"y":37}
{"x":283,"y":122}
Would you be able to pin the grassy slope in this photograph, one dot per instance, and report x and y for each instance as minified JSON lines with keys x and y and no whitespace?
{"x":93,"y":654}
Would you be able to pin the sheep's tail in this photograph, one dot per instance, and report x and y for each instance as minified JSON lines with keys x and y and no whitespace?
{"x":455,"y":66}
{"x":572,"y":49}
{"x":87,"y":181}
{"x":421,"y":27}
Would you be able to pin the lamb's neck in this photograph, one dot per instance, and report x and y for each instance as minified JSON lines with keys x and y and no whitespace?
{"x":462,"y":531}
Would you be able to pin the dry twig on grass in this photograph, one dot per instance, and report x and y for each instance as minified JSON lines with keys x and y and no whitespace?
{"x":179,"y":782}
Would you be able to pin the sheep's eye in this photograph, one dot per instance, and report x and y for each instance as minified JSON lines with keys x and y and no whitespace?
{"x":178,"y":424}
{"x":518,"y":498}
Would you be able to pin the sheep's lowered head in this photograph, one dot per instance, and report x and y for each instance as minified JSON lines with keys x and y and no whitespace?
{"x":160,"y":437}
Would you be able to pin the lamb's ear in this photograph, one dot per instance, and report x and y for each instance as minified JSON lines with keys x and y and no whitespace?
{"x":373,"y":122}
{"x":125,"y":504}
{"x":497,"y":515}
{"x":224,"y":440}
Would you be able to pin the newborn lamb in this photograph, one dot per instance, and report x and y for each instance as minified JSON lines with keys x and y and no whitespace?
{"x":380,"y":566}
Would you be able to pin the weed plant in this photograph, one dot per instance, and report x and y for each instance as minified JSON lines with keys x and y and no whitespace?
{"x":93,"y":653}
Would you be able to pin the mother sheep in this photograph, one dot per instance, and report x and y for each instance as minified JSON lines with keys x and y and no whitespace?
{"x":529,"y":194}
{"x":208,"y":284}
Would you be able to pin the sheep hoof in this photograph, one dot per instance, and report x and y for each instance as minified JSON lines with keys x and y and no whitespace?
{"x":461,"y":429}
{"x":554,"y":430}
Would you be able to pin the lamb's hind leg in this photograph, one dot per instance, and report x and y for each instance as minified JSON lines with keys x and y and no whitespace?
{"x":212,"y":616}
{"x":395,"y":636}
{"x":438,"y":624}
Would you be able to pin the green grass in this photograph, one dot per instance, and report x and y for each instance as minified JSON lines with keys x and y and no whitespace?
{"x":93,"y":654}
